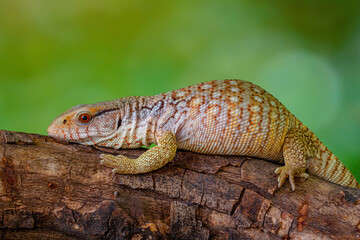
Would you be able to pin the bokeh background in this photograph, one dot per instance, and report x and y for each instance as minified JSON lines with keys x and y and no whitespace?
{"x":57,"y":54}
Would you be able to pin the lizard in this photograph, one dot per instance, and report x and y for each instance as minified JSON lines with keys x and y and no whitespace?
{"x":223,"y":117}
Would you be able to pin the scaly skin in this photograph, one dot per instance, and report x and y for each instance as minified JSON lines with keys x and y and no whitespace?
{"x":228,"y":117}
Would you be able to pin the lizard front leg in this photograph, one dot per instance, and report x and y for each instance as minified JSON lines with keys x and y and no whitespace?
{"x":150,"y":160}
{"x":294,"y":152}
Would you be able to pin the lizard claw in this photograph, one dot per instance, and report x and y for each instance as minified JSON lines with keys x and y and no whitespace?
{"x":288,"y":172}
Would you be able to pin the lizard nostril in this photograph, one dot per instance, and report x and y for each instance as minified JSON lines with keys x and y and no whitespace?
{"x":65,"y":121}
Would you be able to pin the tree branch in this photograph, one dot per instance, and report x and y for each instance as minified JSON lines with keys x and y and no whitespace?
{"x":54,"y":190}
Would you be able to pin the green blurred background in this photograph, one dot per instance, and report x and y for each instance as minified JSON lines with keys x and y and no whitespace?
{"x":57,"y":54}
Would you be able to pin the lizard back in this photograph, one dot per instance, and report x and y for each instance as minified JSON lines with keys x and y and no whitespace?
{"x":229,"y":117}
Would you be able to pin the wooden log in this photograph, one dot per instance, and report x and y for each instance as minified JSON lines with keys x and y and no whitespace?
{"x":53,"y":190}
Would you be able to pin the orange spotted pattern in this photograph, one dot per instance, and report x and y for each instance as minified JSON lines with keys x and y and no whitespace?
{"x":227,"y":117}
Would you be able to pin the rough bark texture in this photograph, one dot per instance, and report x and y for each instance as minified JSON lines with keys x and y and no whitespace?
{"x":52,"y":190}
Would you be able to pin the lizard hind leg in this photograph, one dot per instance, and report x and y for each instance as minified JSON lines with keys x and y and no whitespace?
{"x":294,"y":152}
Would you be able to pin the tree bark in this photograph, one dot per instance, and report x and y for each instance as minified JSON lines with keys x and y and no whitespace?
{"x":53,"y":190}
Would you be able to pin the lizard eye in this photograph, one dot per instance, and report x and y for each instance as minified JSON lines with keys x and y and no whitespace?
{"x":84,"y":118}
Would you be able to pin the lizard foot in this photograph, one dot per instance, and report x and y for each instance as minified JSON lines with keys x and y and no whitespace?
{"x":117,"y":163}
{"x":289,"y":171}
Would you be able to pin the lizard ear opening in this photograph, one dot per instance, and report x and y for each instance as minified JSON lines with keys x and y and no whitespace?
{"x":118,"y":124}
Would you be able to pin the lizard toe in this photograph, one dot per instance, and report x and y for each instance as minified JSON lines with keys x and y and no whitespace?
{"x":284,"y":173}
{"x":303,"y":175}
{"x":111,"y":160}
{"x":289,"y":172}
{"x":282,"y":176}
{"x":118,"y":163}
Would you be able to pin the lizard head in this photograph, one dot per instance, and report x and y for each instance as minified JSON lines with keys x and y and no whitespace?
{"x":86,"y":124}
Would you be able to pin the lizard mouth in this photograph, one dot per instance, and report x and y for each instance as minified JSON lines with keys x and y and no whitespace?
{"x":56,"y":133}
{"x":52,"y":131}
{"x":56,"y":130}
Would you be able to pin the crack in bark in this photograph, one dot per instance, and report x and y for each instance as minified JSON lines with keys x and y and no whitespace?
{"x":237,"y":203}
{"x":182,"y":184}
{"x":153,"y":179}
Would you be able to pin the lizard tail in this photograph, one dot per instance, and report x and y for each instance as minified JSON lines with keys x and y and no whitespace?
{"x":326,"y":165}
